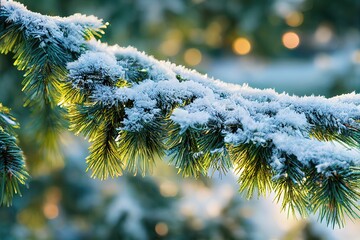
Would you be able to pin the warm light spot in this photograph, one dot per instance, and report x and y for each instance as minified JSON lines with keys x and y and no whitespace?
{"x":356,"y":57}
{"x":241,"y":46}
{"x":227,"y":191}
{"x":168,"y":189}
{"x":290,"y":40}
{"x":323,"y":34}
{"x":192,"y":56}
{"x":294,"y":19}
{"x":203,"y":193}
{"x":172,"y":43}
{"x":213,"y":209}
{"x":51,"y":210}
{"x":170,"y":47}
{"x":161,"y":229}
{"x":187,"y":210}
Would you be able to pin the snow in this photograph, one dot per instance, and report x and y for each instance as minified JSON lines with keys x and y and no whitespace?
{"x":47,"y":29}
{"x":92,"y":68}
{"x":186,"y":119}
{"x":8,"y":120}
{"x":326,"y":155}
{"x":260,"y":116}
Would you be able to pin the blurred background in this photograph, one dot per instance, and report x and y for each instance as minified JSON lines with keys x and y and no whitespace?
{"x":303,"y":47}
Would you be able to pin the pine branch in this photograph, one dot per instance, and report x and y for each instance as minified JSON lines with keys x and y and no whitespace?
{"x":252,"y":164}
{"x":133,"y":108}
{"x":289,"y":185}
{"x":335,"y":195}
{"x":38,"y":50}
{"x":255,"y":126}
{"x":140,"y":149}
{"x":12,"y":165}
{"x":185,"y":152}
{"x":99,"y":123}
{"x":211,"y":143}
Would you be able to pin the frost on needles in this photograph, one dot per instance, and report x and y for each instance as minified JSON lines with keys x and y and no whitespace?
{"x":135,"y":109}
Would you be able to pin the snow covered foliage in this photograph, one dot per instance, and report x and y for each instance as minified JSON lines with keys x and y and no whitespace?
{"x":135,"y":109}
{"x":12,"y":164}
{"x":42,"y":46}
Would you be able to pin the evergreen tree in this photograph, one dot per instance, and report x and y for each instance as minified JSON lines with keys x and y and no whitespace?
{"x":134,"y":109}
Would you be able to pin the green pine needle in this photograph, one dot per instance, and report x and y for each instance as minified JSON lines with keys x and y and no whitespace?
{"x":335,"y":196}
{"x":349,"y":136}
{"x":185,"y":152}
{"x":12,"y":168}
{"x":252,"y":164}
{"x":104,"y":159}
{"x":290,"y":188}
{"x":216,"y":156}
{"x":140,"y":149}
{"x":135,"y":72}
{"x":99,"y":123}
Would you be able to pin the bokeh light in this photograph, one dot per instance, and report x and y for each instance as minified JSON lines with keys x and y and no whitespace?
{"x":290,"y":40}
{"x":51,"y":210}
{"x":213,"y":209}
{"x":161,"y":229}
{"x":294,"y":19}
{"x":192,"y":57}
{"x":241,"y":46}
{"x":355,"y":57}
{"x":168,"y":189}
{"x":172,"y":44}
{"x":323,"y":34}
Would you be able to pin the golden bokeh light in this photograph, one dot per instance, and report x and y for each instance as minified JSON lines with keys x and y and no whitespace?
{"x":290,"y":40}
{"x":161,"y":229}
{"x":170,"y":47}
{"x":168,"y":189}
{"x":213,"y":209}
{"x":241,"y":46}
{"x":294,"y":19}
{"x":172,"y":43}
{"x":192,"y":56}
{"x":187,"y":210}
{"x":355,"y":57}
{"x":51,"y":210}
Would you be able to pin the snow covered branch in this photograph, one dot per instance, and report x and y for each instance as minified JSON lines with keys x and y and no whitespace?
{"x":12,"y":164}
{"x":135,"y":109}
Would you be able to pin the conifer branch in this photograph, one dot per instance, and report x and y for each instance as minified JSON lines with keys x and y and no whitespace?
{"x":38,"y":50}
{"x":134,"y":109}
{"x":12,"y":165}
